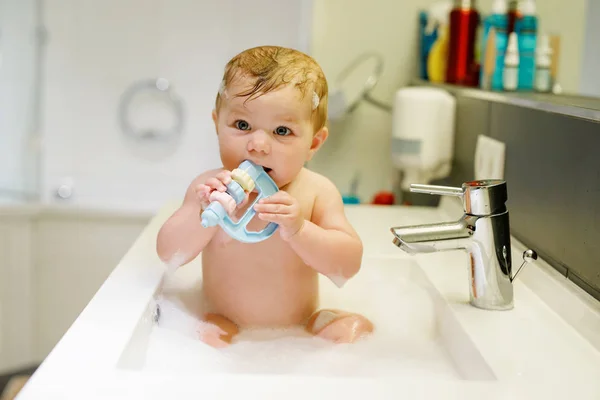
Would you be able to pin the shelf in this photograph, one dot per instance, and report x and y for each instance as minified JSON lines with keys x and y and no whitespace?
{"x":587,"y":108}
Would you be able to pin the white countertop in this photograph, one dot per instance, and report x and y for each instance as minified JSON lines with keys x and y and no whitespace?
{"x":547,"y":347}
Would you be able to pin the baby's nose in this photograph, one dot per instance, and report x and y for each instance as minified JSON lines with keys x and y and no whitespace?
{"x":260,"y":142}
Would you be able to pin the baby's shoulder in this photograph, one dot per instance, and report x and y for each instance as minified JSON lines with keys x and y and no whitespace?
{"x":327,"y":200}
{"x":312,"y":186}
{"x":318,"y":182}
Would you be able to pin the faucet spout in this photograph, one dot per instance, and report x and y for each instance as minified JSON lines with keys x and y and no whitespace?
{"x":430,"y":238}
{"x":483,"y":232}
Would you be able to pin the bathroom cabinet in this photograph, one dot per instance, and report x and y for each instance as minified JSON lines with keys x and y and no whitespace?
{"x":52,"y":262}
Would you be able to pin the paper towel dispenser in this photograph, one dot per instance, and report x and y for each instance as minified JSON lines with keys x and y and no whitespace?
{"x":423,"y":134}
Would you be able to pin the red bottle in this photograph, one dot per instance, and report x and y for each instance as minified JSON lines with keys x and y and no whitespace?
{"x":512,"y":15}
{"x":383,"y":198}
{"x":464,"y":20}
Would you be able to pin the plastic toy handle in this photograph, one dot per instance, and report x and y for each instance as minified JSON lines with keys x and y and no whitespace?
{"x":265,"y":187}
{"x":267,"y":232}
{"x":213,"y":214}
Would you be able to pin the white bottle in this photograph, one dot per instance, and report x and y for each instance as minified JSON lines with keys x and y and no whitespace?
{"x":510,"y":74}
{"x":543,"y":81}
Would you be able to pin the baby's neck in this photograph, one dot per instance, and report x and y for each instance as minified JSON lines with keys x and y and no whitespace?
{"x":297,"y":179}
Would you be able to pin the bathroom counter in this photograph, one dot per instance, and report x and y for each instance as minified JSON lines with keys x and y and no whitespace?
{"x":547,"y":347}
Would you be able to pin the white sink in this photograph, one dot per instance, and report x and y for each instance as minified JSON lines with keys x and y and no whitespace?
{"x":415,"y":332}
{"x":429,"y":342}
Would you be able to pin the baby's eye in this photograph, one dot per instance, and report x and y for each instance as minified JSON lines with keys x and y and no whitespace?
{"x":282,"y":131}
{"x":242,"y":125}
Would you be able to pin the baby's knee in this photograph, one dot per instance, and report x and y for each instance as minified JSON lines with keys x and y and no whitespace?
{"x":339,"y":326}
{"x":216,"y":330}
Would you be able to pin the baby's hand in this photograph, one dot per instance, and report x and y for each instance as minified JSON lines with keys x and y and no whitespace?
{"x":217,"y":183}
{"x":282,"y":209}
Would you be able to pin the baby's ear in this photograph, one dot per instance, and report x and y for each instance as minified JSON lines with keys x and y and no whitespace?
{"x":318,"y":139}
{"x":214,"y":118}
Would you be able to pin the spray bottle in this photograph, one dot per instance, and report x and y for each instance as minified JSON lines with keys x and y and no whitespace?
{"x":510,"y":75}
{"x":543,"y":79}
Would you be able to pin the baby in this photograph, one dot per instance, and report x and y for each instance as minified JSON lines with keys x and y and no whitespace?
{"x":271,"y":109}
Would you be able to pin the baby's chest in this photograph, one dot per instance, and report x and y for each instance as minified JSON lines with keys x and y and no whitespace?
{"x":272,"y":249}
{"x":269,"y":252}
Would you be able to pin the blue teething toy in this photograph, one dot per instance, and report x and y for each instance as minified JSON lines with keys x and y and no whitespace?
{"x":215,"y":213}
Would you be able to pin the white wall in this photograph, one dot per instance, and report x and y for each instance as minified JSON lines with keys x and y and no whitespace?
{"x":17,"y":96}
{"x":566,"y":19}
{"x":96,"y":49}
{"x":342,"y":30}
{"x":345,"y":28}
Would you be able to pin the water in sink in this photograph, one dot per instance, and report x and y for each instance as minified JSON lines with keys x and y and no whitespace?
{"x":414,"y":334}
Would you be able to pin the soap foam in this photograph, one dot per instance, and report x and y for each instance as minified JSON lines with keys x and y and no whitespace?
{"x":175,"y":262}
{"x":405,"y":342}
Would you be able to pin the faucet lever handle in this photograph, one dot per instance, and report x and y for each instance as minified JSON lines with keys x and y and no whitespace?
{"x":483,"y":197}
{"x":434,"y":189}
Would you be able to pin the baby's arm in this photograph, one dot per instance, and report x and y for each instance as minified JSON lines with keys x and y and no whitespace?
{"x":328,"y":243}
{"x":182,"y":237}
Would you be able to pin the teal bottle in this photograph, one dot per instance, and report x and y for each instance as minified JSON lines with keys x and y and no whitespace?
{"x":500,"y":23}
{"x":526,"y":29}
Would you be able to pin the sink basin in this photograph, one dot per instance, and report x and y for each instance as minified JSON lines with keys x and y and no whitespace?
{"x":415,"y":332}
{"x":429,"y":342}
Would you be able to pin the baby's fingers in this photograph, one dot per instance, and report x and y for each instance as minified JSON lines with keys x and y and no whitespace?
{"x":280,"y":197}
{"x":216,"y":184}
{"x":272,"y":208}
{"x":203,"y":191}
{"x":203,"y":194}
{"x":224,"y":176}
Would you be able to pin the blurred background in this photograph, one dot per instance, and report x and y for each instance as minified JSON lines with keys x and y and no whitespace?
{"x":105,"y":116}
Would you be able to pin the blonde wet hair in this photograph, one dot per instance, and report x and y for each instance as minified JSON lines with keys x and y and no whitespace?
{"x":271,"y":67}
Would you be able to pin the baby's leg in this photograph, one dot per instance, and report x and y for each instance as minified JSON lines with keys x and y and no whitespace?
{"x":216,"y":330}
{"x":339,"y":326}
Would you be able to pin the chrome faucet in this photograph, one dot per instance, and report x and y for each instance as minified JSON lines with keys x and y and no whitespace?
{"x":483,"y":231}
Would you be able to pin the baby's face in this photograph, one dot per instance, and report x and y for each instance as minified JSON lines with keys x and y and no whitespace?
{"x":273,"y":130}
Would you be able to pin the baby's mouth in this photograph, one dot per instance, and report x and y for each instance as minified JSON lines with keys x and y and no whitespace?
{"x":267,"y":170}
